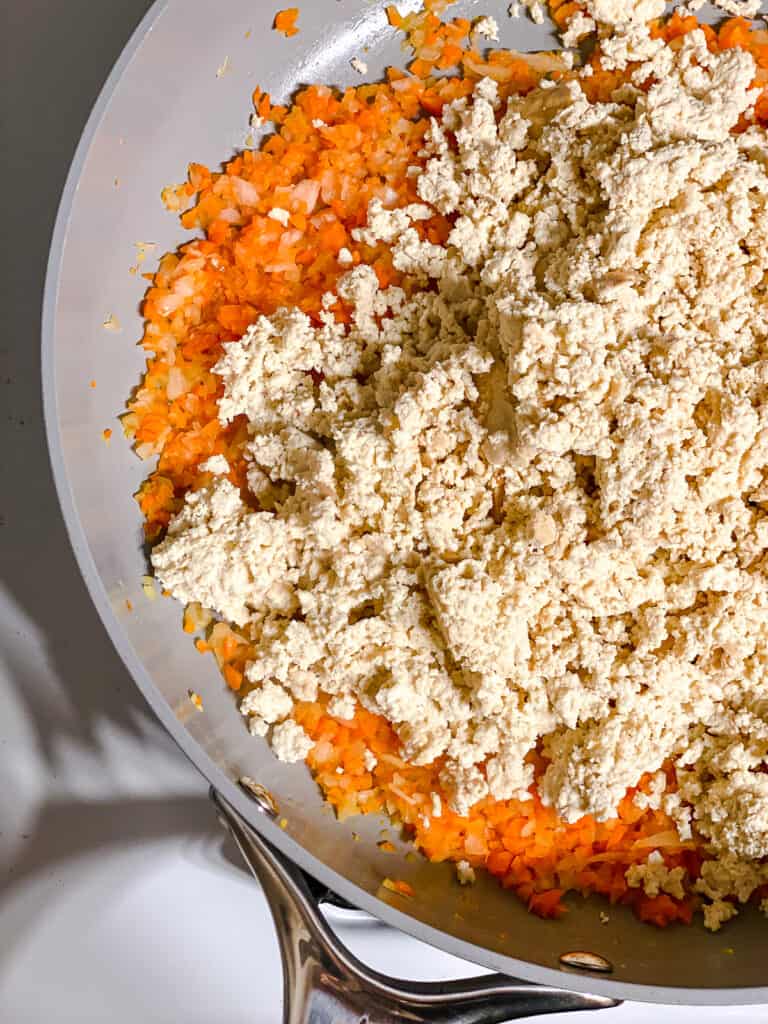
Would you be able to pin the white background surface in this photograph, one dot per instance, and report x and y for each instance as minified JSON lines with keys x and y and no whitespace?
{"x":119,"y":900}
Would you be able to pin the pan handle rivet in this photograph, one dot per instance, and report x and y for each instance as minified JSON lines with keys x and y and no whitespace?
{"x":259,"y":794}
{"x":586,"y":961}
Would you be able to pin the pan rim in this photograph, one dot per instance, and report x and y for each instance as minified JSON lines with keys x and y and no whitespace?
{"x":511,"y":966}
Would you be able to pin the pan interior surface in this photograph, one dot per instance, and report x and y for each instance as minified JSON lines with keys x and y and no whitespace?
{"x":169,"y":102}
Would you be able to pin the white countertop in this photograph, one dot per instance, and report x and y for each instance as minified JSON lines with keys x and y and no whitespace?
{"x":119,"y":900}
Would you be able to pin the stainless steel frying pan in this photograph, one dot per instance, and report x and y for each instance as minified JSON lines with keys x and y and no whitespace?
{"x":180,"y":91}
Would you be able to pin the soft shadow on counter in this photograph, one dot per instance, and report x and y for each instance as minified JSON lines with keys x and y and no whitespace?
{"x":67,"y":830}
{"x":37,"y":569}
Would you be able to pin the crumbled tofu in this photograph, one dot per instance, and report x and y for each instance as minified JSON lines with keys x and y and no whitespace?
{"x":527,"y":501}
{"x":624,"y":12}
{"x":280,"y":215}
{"x":345,"y":257}
{"x":534,"y":8}
{"x":257,"y":726}
{"x":218,"y":552}
{"x":717,"y":913}
{"x":728,"y":875}
{"x":634,"y":44}
{"x":216,"y":464}
{"x":487,"y":28}
{"x":369,"y":760}
{"x":271,"y":703}
{"x":732,"y":810}
{"x":318,"y":122}
{"x":290,"y":742}
{"x":739,"y":8}
{"x":536,"y":11}
{"x":342,"y":706}
{"x":359,"y":66}
{"x":653,"y":798}
{"x":465,"y":872}
{"x":681,"y":813}
{"x":437,"y":805}
{"x":654,"y":877}
{"x":579,"y":26}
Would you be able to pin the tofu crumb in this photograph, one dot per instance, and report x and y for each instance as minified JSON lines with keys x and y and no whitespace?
{"x":342,"y":706}
{"x":345,"y":257}
{"x":654,"y":877}
{"x":280,"y":215}
{"x":290,"y":742}
{"x":487,"y":28}
{"x":359,"y":66}
{"x":717,"y":913}
{"x":536,"y":12}
{"x":653,"y":797}
{"x":369,"y":760}
{"x":216,"y":464}
{"x":271,"y":703}
{"x":739,"y":8}
{"x":578,"y":27}
{"x":465,"y":873}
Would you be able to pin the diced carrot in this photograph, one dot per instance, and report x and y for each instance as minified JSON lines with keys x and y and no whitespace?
{"x":547,"y":904}
{"x":285,"y":21}
{"x":394,"y":16}
{"x":233,"y":678}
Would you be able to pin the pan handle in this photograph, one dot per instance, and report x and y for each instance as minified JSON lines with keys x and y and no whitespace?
{"x":323,"y":983}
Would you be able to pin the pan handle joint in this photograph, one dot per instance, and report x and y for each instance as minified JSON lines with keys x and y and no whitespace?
{"x":323,"y":983}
